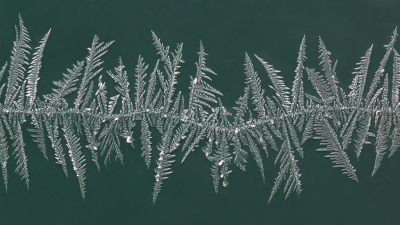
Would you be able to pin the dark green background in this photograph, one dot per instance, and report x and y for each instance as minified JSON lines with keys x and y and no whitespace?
{"x":270,"y":29}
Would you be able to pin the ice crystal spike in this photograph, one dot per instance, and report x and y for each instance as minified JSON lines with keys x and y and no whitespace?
{"x":172,"y":125}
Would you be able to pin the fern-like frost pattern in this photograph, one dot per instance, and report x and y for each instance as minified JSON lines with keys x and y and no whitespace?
{"x":261,"y":126}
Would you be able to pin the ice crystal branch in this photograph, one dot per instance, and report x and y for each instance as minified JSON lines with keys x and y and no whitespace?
{"x":282,"y":122}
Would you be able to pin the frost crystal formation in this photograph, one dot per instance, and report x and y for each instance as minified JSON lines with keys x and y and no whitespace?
{"x":259,"y":126}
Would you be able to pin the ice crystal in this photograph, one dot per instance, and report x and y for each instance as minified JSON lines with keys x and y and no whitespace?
{"x":281,"y":122}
